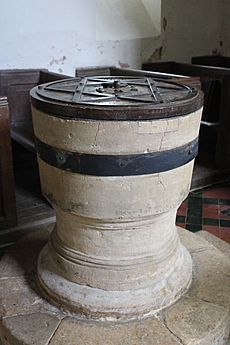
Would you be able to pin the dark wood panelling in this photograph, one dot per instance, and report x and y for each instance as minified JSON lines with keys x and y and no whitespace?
{"x":15,"y":85}
{"x":92,"y":71}
{"x":215,"y":84}
{"x":16,"y":122}
{"x":212,"y":60}
{"x":222,"y":157}
{"x":8,"y":215}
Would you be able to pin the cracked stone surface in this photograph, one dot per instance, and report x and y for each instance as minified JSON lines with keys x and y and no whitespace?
{"x":36,"y":329}
{"x":150,"y":331}
{"x":192,"y":321}
{"x":200,"y":318}
{"x":18,"y":296}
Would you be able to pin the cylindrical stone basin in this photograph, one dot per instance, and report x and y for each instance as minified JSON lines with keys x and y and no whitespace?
{"x":116,"y":158}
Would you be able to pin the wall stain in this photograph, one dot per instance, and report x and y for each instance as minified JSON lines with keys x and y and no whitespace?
{"x":123,"y":64}
{"x":216,"y":52}
{"x":58,"y":61}
{"x":101,"y":49}
{"x":156,"y":55}
{"x":164,"y":23}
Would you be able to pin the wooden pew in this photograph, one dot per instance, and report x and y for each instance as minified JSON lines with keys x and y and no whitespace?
{"x":8,"y":215}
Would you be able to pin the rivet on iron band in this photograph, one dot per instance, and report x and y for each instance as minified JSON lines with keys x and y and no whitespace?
{"x":117,"y":165}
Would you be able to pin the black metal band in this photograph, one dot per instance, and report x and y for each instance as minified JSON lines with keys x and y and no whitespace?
{"x":117,"y":165}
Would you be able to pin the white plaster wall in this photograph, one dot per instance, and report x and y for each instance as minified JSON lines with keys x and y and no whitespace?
{"x":62,"y":35}
{"x":226,"y":28}
{"x":47,"y":33}
{"x":189,"y":28}
{"x":128,"y":19}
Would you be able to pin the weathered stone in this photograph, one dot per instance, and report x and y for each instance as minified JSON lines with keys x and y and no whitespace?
{"x":211,"y":270}
{"x":191,"y":242}
{"x":147,"y":332}
{"x":196,"y":322}
{"x":30,"y":329}
{"x":125,"y":137}
{"x":20,"y":296}
{"x":100,"y":303}
{"x":223,"y":246}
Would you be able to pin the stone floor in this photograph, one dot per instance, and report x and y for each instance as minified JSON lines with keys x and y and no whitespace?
{"x":201,"y":317}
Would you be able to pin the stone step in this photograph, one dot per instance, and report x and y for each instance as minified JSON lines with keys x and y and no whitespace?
{"x":223,"y":246}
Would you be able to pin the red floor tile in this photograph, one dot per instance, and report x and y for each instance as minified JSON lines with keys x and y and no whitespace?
{"x":182,"y":225}
{"x":210,"y":211}
{"x":225,"y":234}
{"x":215,"y":230}
{"x":184,"y":204}
{"x":182,"y":210}
{"x":217,"y":193}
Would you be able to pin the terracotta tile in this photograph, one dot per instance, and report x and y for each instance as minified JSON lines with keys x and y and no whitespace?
{"x":211,"y":208}
{"x":210,"y":211}
{"x":182,"y":225}
{"x":181,"y":212}
{"x":185,"y":203}
{"x":218,"y":193}
{"x":183,"y":207}
{"x":211,"y":215}
{"x":225,"y":234}
{"x":215,"y":230}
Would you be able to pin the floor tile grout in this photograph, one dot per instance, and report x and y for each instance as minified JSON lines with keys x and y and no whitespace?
{"x":208,"y":209}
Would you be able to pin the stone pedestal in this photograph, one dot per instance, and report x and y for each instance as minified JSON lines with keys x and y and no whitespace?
{"x":128,"y":265}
